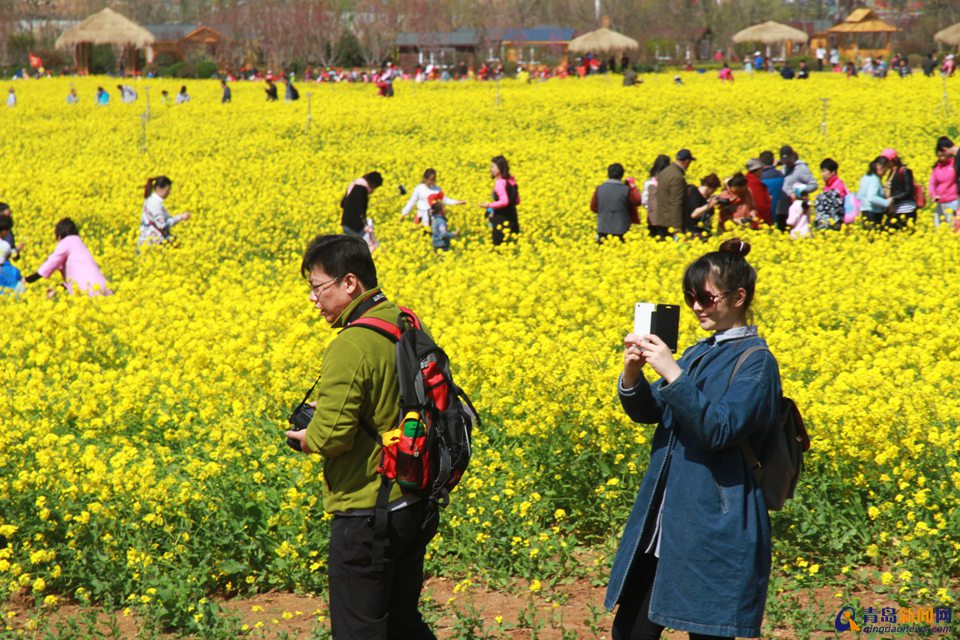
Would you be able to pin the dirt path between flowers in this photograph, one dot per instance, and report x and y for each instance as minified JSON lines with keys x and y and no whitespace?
{"x":568,"y":611}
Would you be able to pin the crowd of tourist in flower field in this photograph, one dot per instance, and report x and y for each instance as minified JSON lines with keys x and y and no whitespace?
{"x":589,"y":64}
{"x":777,"y":191}
{"x":772,"y":192}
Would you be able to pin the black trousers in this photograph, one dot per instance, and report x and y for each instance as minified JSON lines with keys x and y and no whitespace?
{"x":632,"y":621}
{"x":602,"y":237}
{"x":872,"y":219}
{"x":781,"y":221}
{"x":371,"y":602}
{"x":501,"y":221}
{"x":900,"y":220}
{"x":657,"y":231}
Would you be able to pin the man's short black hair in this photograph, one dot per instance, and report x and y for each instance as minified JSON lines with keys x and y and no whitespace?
{"x":615,"y":171}
{"x":943,"y":142}
{"x":766,"y":157}
{"x":829,"y":164}
{"x":339,"y":255}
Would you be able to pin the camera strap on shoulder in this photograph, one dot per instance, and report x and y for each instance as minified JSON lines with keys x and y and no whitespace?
{"x":314,"y":386}
{"x":364,"y":306}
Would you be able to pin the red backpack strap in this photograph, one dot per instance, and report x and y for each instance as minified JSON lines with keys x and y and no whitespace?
{"x":411,"y":317}
{"x":384,"y":328}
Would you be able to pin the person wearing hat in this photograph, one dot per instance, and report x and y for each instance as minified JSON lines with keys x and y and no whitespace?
{"x":795,"y":173}
{"x":671,"y":187}
{"x":949,"y":66}
{"x":761,"y":196}
{"x":900,"y":186}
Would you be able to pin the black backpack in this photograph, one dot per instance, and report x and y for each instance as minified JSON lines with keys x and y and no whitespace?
{"x":430,"y":450}
{"x":778,"y":473}
{"x":829,"y":211}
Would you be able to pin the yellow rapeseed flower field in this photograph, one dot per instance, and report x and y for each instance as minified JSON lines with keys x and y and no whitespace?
{"x":142,"y":462}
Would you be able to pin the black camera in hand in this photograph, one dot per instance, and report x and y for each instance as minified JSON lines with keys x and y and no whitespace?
{"x":723,"y":201}
{"x":299,"y":420}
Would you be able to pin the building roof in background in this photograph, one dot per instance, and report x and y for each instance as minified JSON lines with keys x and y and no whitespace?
{"x":169,"y":32}
{"x":546,"y":33}
{"x":458,"y":38}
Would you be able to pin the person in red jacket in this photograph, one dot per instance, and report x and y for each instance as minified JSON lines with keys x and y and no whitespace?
{"x":761,"y":196}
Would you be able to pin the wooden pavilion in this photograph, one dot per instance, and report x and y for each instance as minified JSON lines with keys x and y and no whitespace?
{"x":863,"y":34}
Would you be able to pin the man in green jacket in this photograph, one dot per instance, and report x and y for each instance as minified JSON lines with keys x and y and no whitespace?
{"x":671,"y":188}
{"x":374,"y":592}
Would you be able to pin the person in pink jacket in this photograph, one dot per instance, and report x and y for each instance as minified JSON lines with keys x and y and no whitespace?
{"x":502,"y":212}
{"x":74,"y":261}
{"x":943,"y":188}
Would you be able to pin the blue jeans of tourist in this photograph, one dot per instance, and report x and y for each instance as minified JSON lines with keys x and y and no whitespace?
{"x":944,"y":212}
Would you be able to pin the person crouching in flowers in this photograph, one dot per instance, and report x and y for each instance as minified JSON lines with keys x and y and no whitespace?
{"x":798,"y":217}
{"x":438,"y":220}
{"x":695,"y":552}
{"x":11,"y":280}
{"x":155,"y":221}
{"x":74,"y":261}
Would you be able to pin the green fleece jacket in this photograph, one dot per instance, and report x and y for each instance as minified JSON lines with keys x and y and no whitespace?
{"x":358,"y":382}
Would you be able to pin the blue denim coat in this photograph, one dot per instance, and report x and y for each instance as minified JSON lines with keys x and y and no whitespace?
{"x":715,"y":547}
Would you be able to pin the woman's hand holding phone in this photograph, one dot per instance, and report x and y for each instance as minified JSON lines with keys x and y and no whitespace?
{"x":633,"y":361}
{"x":655,"y":351}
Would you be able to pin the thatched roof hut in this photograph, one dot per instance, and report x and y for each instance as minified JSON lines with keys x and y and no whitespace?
{"x":770,"y":33}
{"x":602,"y":41}
{"x":949,"y":36}
{"x":105,"y":27}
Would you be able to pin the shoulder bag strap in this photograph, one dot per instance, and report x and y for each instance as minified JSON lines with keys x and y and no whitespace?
{"x":748,"y":453}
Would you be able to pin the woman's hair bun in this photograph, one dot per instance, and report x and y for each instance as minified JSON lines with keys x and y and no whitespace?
{"x":737,"y":246}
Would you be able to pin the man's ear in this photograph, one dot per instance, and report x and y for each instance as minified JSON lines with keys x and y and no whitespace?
{"x":353,"y":285}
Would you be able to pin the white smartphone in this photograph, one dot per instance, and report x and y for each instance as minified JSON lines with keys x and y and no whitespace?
{"x":643,"y":318}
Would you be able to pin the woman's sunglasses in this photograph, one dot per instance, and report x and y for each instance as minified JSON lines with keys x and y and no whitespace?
{"x":706,"y":300}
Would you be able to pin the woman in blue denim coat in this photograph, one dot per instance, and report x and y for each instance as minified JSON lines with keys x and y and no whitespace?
{"x":695,"y":552}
